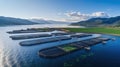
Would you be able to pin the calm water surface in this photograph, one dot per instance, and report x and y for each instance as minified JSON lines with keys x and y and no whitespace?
{"x":14,"y":55}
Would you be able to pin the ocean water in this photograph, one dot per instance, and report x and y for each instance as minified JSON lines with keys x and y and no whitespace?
{"x":14,"y":55}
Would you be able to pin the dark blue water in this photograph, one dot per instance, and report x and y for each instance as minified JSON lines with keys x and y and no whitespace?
{"x":100,"y":55}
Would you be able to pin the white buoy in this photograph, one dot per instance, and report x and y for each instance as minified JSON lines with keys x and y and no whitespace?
{"x":104,"y":42}
{"x":87,"y":48}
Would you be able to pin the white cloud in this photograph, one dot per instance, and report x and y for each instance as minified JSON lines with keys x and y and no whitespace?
{"x":99,"y":14}
{"x":77,"y":16}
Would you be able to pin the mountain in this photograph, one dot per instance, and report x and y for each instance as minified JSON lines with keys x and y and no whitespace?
{"x":112,"y":21}
{"x":48,"y":21}
{"x":5,"y":21}
{"x":58,"y":22}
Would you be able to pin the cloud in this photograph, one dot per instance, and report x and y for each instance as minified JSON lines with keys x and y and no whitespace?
{"x":99,"y":14}
{"x":77,"y":16}
{"x":74,"y":16}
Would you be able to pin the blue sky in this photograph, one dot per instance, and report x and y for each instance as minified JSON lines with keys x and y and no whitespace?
{"x":57,"y":9}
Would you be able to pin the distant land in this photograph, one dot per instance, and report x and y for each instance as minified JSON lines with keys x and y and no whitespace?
{"x":99,"y":22}
{"x":9,"y":21}
{"x":93,"y":22}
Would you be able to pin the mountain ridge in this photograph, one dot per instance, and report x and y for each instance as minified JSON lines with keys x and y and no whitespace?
{"x":112,"y":21}
{"x":4,"y":21}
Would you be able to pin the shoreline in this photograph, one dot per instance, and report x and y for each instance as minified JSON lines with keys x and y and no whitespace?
{"x":105,"y":31}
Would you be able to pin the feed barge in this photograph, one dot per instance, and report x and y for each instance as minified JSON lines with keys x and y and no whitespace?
{"x":29,"y":36}
{"x":62,"y":50}
{"x":46,"y":40}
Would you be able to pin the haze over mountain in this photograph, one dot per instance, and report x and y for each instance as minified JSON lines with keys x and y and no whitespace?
{"x":112,"y":21}
{"x":43,"y":21}
{"x":4,"y":21}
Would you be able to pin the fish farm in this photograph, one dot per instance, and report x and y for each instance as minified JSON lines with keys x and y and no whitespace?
{"x":69,"y":48}
{"x":19,"y":37}
{"x":81,"y":41}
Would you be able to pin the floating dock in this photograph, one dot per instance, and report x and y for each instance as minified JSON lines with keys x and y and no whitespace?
{"x":60,"y":33}
{"x":46,"y":40}
{"x":29,"y":31}
{"x":29,"y":36}
{"x":24,"y":31}
{"x":57,"y":51}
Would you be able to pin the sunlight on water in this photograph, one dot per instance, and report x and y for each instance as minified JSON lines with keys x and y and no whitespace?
{"x":2,"y":56}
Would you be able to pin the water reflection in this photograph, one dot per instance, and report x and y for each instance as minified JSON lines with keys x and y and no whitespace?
{"x":14,"y":55}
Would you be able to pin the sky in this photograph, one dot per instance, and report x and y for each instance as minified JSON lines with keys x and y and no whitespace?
{"x":64,"y":10}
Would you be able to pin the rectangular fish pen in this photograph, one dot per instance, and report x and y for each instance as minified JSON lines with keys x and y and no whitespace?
{"x":46,"y":40}
{"x":19,"y":37}
{"x":58,"y":34}
{"x":29,"y":31}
